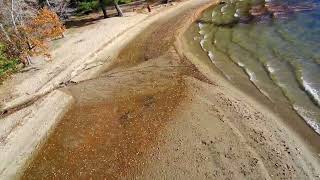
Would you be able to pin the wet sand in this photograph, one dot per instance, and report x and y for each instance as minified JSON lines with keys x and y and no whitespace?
{"x":153,"y":115}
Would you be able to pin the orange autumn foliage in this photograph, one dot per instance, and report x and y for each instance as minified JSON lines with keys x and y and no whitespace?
{"x":31,"y":37}
{"x":44,"y":27}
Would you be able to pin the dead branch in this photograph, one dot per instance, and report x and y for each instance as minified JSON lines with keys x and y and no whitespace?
{"x":5,"y":32}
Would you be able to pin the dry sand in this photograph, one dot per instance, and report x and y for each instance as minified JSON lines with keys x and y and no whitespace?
{"x":153,"y":115}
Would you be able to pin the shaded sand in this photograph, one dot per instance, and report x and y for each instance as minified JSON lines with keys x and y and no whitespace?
{"x":153,"y":115}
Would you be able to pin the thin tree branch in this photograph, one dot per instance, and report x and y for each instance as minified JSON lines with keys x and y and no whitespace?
{"x":5,"y":33}
{"x":48,"y":3}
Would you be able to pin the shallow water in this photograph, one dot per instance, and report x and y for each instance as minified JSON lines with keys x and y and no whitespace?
{"x":276,"y":43}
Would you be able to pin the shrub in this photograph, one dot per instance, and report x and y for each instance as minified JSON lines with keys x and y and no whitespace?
{"x":45,"y":26}
{"x":88,"y":6}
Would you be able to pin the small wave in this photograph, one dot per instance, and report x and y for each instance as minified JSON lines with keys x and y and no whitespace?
{"x":202,"y":44}
{"x":201,"y":25}
{"x":211,"y":55}
{"x":270,"y":69}
{"x":314,"y":93}
{"x":251,"y":75}
{"x":212,"y":58}
{"x":311,"y":115}
{"x":305,"y":114}
{"x":254,"y":80}
{"x":240,"y":64}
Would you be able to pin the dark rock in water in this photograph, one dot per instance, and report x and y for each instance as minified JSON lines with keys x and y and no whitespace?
{"x":277,"y":8}
{"x":246,"y":19}
{"x":229,"y":13}
{"x":258,"y":10}
{"x":264,"y":19}
{"x":284,"y":11}
{"x":280,"y":15}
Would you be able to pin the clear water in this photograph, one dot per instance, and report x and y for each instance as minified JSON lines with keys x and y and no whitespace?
{"x":275,"y":42}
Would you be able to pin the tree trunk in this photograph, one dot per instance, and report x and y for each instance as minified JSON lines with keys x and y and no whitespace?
{"x":103,"y":8}
{"x":149,"y":8}
{"x":105,"y":15}
{"x":118,"y":8}
{"x":28,"y":60}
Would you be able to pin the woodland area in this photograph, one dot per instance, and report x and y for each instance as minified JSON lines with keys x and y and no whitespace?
{"x":26,"y":26}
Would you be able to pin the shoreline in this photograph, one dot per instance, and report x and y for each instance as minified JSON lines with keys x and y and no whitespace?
{"x":295,"y":132}
{"x":243,"y":46}
{"x":299,"y":130}
{"x":167,"y":119}
{"x":287,"y":115}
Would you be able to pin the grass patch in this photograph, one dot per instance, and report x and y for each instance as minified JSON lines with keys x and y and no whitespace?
{"x":87,"y":7}
{"x":7,"y":65}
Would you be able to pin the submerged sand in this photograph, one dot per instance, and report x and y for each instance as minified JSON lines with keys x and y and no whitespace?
{"x":155,"y":115}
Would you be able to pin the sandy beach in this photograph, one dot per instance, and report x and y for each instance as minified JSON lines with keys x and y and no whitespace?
{"x":158,"y":111}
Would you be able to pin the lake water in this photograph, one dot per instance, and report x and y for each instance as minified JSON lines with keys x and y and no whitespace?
{"x":275,"y":42}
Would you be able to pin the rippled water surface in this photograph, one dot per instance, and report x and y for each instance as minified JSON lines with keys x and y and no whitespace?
{"x":276,"y":43}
